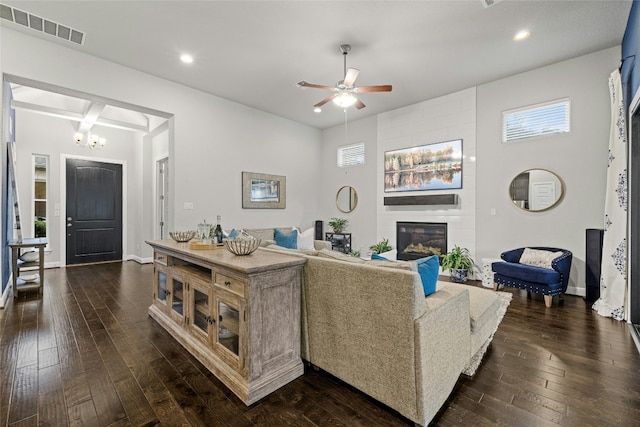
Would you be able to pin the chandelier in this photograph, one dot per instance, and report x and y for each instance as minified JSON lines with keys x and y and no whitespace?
{"x":89,"y":140}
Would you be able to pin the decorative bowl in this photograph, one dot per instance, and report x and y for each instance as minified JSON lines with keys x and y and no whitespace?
{"x":29,"y":256}
{"x":242,"y":246}
{"x":182,"y":236}
{"x":30,"y":278}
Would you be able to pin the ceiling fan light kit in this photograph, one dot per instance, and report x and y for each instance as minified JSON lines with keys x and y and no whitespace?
{"x":345,"y":89}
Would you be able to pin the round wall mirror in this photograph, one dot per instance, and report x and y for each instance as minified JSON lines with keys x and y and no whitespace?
{"x":536,"y":190}
{"x":346,"y":199}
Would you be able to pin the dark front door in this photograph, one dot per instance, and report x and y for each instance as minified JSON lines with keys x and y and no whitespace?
{"x":94,"y":211}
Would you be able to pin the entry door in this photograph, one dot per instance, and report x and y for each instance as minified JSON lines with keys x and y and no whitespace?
{"x":94,"y":211}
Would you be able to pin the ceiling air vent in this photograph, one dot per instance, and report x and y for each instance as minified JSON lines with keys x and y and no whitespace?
{"x":41,"y":25}
{"x":489,"y":3}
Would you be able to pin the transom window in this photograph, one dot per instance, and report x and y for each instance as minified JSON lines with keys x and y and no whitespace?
{"x":351,"y":155}
{"x":535,"y":121}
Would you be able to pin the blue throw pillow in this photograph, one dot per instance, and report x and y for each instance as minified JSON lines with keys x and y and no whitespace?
{"x":233,"y":234}
{"x":428,"y":268}
{"x":376,"y":256}
{"x":289,"y":241}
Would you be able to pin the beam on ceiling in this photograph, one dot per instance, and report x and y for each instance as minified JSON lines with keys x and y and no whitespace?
{"x":76,"y":117}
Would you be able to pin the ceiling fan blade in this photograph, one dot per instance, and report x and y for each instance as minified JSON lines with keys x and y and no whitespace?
{"x":359,"y":104}
{"x":350,"y":77}
{"x":307,"y":84}
{"x":324,"y":101}
{"x":381,"y":88}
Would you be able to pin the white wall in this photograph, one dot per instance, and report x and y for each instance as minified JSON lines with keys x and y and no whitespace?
{"x":579,"y":158}
{"x":214,"y":139}
{"x":362,"y":221}
{"x":442,"y":119}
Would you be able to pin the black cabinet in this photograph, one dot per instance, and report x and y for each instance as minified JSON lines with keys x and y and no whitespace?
{"x":593,"y":259}
{"x":339,"y":241}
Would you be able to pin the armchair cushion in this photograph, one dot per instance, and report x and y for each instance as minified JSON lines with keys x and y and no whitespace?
{"x":525,"y":272}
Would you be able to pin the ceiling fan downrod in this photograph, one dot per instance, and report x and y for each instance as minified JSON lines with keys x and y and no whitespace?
{"x":345,"y":48}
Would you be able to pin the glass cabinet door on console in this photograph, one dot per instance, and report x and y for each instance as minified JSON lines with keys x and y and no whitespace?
{"x":161,"y":283}
{"x":201,"y":320}
{"x":228,"y":327}
{"x":177,"y":291}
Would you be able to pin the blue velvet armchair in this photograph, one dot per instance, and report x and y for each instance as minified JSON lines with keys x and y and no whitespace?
{"x":546,"y":281}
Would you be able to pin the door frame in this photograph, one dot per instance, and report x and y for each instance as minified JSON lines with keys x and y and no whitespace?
{"x":63,"y":203}
{"x":156,"y":193}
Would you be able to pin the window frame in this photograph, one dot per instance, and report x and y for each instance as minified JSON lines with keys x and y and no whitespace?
{"x":340,"y":156}
{"x":34,"y":180}
{"x":538,"y":117}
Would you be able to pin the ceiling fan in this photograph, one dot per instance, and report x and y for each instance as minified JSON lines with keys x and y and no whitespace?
{"x":345,"y":89}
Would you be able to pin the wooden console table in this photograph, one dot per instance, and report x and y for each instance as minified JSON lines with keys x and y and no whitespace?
{"x":20,"y":284}
{"x":238,"y":315}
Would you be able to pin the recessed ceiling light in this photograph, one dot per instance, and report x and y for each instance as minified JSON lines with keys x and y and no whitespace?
{"x":186,"y":58}
{"x":521,"y":35}
{"x":317,"y":110}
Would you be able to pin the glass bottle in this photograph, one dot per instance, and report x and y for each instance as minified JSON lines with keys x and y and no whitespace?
{"x":218,"y":231}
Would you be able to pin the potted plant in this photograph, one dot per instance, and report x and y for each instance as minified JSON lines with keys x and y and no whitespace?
{"x":458,"y":261}
{"x":381,"y":246}
{"x":338,"y":224}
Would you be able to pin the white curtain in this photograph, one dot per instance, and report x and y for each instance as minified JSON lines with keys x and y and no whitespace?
{"x":613,"y":279}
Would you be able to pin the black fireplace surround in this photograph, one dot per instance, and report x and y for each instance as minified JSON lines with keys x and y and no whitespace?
{"x":416,"y":240}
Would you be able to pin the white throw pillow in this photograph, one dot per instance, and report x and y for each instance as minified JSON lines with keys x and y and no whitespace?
{"x":305,"y":239}
{"x":538,"y":258}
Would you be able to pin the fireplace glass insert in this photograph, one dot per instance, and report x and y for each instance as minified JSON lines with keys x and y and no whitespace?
{"x":416,"y":240}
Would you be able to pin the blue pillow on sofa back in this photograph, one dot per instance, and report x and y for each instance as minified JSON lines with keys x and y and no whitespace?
{"x":428,"y":269}
{"x":289,"y":241}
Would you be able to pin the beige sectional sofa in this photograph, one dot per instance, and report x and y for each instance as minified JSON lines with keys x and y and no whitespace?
{"x":371,"y":326}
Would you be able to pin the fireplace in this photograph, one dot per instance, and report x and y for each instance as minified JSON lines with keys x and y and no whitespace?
{"x":416,"y":240}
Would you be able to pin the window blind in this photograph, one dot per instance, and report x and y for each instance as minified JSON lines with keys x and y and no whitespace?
{"x":536,"y":121}
{"x":351,"y":155}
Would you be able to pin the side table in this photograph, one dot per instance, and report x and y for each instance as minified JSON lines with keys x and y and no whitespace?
{"x":339,"y":241}
{"x":487,"y":272}
{"x":20,"y":284}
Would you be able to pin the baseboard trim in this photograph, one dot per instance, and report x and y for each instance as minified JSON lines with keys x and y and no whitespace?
{"x":634,"y":334}
{"x":574,"y":290}
{"x":5,"y":295}
{"x":140,"y":260}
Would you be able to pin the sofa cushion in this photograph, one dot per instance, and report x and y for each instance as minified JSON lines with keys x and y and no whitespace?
{"x":525,"y":272}
{"x":273,"y":246}
{"x":428,"y":268}
{"x":328,"y":253}
{"x":383,"y":262}
{"x":289,"y":241}
{"x":483,"y":306}
{"x":233,"y":234}
{"x":260,"y":233}
{"x":538,"y":258}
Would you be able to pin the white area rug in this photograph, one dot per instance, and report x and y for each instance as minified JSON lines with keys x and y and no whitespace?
{"x":472,"y":366}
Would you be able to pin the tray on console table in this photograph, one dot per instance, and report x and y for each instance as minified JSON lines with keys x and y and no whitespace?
{"x":246,"y":331}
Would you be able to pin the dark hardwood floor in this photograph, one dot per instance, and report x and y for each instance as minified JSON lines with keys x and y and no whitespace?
{"x":85,"y":353}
